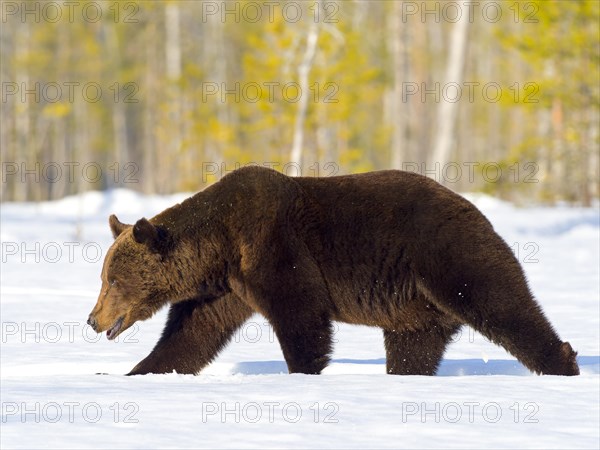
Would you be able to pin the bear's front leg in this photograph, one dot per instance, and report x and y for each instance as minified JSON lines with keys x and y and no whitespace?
{"x":194,"y":335}
{"x":284,"y":282}
{"x":301,"y":323}
{"x":305,"y":342}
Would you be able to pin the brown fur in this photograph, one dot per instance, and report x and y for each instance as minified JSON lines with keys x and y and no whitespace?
{"x":389,"y":249}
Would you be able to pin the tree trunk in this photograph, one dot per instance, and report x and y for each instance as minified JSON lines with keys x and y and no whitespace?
{"x":303,"y":73}
{"x":447,"y":110}
{"x":119,"y":119}
{"x":149,"y":112}
{"x":400,"y":110}
{"x":173,"y":69}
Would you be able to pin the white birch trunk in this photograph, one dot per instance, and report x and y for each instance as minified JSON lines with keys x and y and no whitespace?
{"x":303,"y":73}
{"x":119,"y":118}
{"x":173,"y":44}
{"x":447,"y":111}
{"x":24,"y":136}
{"x":173,"y":69}
{"x":149,"y":114}
{"x":400,"y":110}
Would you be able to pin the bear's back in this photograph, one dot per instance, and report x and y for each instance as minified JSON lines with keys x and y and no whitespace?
{"x":384,"y":198}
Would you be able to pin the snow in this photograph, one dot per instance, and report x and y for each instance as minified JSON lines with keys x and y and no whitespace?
{"x":52,"y":397}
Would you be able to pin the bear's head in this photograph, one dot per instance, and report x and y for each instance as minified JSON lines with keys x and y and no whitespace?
{"x":135,"y":277}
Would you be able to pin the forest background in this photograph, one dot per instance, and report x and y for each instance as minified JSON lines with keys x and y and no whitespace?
{"x":167,"y":96}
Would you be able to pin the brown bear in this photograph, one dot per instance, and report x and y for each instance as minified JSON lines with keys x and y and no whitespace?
{"x":389,"y":249}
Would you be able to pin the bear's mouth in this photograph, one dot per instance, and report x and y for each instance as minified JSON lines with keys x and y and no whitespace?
{"x":113,"y":331}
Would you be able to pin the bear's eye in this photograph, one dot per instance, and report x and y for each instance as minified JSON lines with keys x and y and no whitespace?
{"x":113,"y":282}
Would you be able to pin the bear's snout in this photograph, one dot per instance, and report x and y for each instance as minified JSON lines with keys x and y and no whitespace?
{"x":92,"y":323}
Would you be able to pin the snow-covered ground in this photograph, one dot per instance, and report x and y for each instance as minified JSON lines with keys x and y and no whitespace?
{"x":482,"y":398}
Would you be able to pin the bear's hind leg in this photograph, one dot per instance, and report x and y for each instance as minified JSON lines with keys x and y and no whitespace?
{"x":524,"y":331}
{"x":496,"y":302}
{"x":416,"y":352}
{"x":194,"y":335}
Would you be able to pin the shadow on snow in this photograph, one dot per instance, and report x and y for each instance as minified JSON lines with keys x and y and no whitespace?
{"x":448,"y":367}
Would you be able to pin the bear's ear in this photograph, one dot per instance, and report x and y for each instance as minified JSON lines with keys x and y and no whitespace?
{"x":146,"y":233}
{"x":116,"y":226}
